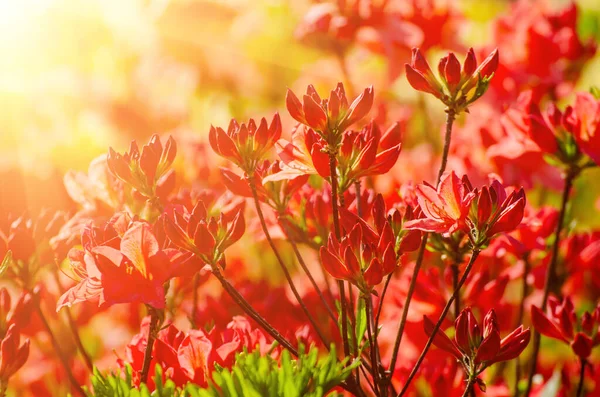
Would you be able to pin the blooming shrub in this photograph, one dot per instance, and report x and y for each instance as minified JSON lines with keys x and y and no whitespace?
{"x":339,"y":245}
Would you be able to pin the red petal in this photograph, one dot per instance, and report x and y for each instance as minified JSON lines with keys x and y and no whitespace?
{"x":544,"y":325}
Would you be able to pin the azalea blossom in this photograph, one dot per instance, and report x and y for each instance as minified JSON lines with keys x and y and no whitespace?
{"x":561,"y":323}
{"x":245,"y":144}
{"x":124,"y":268}
{"x":446,"y":209}
{"x":478,"y":347}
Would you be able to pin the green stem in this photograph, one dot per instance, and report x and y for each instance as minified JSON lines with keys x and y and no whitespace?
{"x":440,"y":321}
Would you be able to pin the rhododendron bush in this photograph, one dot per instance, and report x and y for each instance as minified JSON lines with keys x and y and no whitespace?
{"x":381,"y":198}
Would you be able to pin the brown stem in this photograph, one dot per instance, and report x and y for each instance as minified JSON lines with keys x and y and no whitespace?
{"x":306,"y":270}
{"x":526,"y":269}
{"x":359,"y":208}
{"x":75,"y":330}
{"x":284,"y":268}
{"x":381,"y":298}
{"x":196,"y":284}
{"x":152,"y":330}
{"x":409,"y":294}
{"x":551,"y":273}
{"x":454,"y":268}
{"x":580,"y":388}
{"x":450,"y":116}
{"x":469,"y":387}
{"x":345,"y":73}
{"x":372,"y":345}
{"x":249,"y":310}
{"x":338,"y":233}
{"x":61,"y":356}
{"x":440,"y":321}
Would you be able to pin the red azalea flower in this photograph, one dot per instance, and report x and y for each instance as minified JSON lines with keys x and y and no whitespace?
{"x":494,"y":211}
{"x":245,"y":144}
{"x":565,"y":136}
{"x":329,"y":117}
{"x":561,"y":323}
{"x":196,"y":232}
{"x":271,"y":187}
{"x":13,"y":354}
{"x":192,"y":356}
{"x":132,"y":268}
{"x":587,"y":129}
{"x":367,"y":152}
{"x":146,"y":171}
{"x":477,"y":349}
{"x":304,"y":155}
{"x":445,"y":209}
{"x":362,"y":257}
{"x":459,"y":86}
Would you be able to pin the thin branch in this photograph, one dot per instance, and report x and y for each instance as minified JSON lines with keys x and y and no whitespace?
{"x":440,"y":321}
{"x":284,"y":268}
{"x":551,"y":273}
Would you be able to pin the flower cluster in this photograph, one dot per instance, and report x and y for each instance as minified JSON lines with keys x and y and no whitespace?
{"x":332,"y":245}
{"x":477,"y":347}
{"x":562,"y":324}
{"x":457,"y":86}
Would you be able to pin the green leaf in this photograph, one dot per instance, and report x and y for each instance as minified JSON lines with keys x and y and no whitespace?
{"x":361,"y":320}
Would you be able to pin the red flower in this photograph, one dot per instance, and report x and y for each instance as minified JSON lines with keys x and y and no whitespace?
{"x":493,"y":212}
{"x":17,"y":316}
{"x":445,"y":209}
{"x":196,"y":232}
{"x":272,"y":186}
{"x":146,"y":171}
{"x":565,"y":136}
{"x":245,"y":144}
{"x":587,"y":129}
{"x":477,"y":349}
{"x":13,"y":355}
{"x":458,"y":87}
{"x":561,"y":323}
{"x":129,"y":269}
{"x":367,"y":152}
{"x":363,"y":257}
{"x":330,"y":117}
{"x":304,"y":155}
{"x":192,"y":356}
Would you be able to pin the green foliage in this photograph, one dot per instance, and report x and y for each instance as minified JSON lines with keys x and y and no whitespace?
{"x":251,"y":375}
{"x":256,"y":376}
{"x":115,"y":385}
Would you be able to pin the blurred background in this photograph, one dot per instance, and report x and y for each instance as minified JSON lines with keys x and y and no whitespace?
{"x":78,"y":76}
